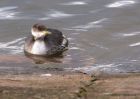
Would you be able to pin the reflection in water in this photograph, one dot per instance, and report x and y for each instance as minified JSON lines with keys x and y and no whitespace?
{"x":42,"y":59}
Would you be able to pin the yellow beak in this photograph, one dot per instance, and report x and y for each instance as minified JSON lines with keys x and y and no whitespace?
{"x":46,"y":32}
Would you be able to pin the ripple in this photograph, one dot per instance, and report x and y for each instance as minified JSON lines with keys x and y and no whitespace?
{"x":131,"y":34}
{"x":100,"y":46}
{"x":13,"y":47}
{"x":135,"y":44}
{"x":53,"y":14}
{"x":112,"y":68}
{"x":74,"y":29}
{"x":75,"y":3}
{"x":9,"y":13}
{"x":75,"y":48}
{"x":123,"y":65}
{"x":105,"y":68}
{"x":134,"y":60}
{"x":8,"y":8}
{"x":121,"y":3}
{"x":95,"y":11}
{"x":94,"y":24}
{"x":123,"y":35}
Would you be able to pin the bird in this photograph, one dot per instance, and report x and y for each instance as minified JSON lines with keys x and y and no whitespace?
{"x":45,"y":41}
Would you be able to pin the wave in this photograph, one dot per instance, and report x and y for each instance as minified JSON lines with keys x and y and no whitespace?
{"x":124,"y":35}
{"x":121,"y":3}
{"x":97,"y":68}
{"x":131,"y":34}
{"x":53,"y":14}
{"x":94,"y":24}
{"x":75,"y":3}
{"x":112,"y":68}
{"x":9,"y":12}
{"x":13,"y":47}
{"x":135,"y":44}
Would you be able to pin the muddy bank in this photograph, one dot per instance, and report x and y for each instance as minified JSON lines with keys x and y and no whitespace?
{"x":41,"y":87}
{"x":114,"y":87}
{"x":69,"y":86}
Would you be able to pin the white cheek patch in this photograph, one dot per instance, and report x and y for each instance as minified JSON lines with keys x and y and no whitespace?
{"x":37,"y":34}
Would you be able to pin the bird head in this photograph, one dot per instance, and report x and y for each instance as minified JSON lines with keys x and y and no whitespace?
{"x":39,"y":31}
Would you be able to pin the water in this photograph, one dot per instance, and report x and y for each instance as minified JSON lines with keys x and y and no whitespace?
{"x":103,"y":34}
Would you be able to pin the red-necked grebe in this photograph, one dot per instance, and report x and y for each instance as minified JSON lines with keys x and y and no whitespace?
{"x":45,"y":41}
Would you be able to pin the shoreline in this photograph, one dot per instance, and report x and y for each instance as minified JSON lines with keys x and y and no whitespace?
{"x":63,"y":84}
{"x":69,"y":86}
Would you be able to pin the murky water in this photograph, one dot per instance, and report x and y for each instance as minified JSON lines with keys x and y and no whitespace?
{"x":103,"y":34}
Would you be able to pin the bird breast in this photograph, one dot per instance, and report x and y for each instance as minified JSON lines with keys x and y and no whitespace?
{"x":39,"y":48}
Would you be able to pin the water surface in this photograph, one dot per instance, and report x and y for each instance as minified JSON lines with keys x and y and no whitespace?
{"x":103,"y":34}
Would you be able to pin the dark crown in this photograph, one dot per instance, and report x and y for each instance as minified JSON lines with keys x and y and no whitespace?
{"x":39,"y":27}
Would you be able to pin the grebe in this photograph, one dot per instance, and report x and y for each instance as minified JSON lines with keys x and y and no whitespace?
{"x":45,"y":41}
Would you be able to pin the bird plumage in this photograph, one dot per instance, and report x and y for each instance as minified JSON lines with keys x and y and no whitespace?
{"x":50,"y":44}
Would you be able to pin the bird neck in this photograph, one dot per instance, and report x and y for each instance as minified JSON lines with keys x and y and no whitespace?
{"x":39,"y":38}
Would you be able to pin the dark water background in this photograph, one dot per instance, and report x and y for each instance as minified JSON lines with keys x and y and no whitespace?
{"x":104,"y":35}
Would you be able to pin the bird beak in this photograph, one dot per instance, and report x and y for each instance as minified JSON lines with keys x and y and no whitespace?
{"x":46,"y":32}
